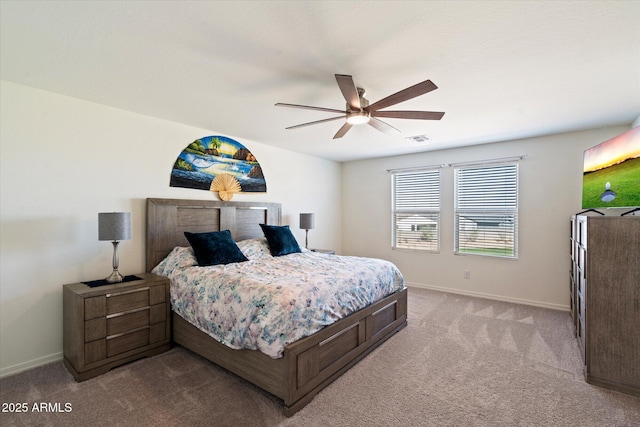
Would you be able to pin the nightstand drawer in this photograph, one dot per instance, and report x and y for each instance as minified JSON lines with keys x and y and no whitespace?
{"x":324,"y":251}
{"x":126,"y":301}
{"x":95,"y":307}
{"x":95,"y":351}
{"x":157,"y":313}
{"x":157,"y":332}
{"x":95,"y":329}
{"x":127,"y":322}
{"x":130,"y":341}
{"x":156,"y":295}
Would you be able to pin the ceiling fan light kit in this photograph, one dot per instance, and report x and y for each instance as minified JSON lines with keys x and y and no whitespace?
{"x":358,"y":111}
{"x":357,"y":117}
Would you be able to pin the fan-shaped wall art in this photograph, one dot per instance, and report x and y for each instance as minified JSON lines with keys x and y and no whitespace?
{"x":218,"y":164}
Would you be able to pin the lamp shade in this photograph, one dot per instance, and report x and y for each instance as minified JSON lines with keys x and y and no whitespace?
{"x":114,"y":226}
{"x":307,"y":221}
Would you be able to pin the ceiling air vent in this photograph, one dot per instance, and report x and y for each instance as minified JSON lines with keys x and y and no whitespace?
{"x":422,"y":139}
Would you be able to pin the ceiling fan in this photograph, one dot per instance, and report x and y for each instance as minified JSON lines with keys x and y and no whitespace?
{"x":359,"y":111}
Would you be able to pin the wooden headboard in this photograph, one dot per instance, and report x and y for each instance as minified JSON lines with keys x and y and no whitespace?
{"x":168,"y":219}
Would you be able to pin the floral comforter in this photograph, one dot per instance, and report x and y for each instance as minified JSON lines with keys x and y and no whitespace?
{"x":268,"y":302}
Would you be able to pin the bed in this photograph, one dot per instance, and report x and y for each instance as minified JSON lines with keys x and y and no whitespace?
{"x":307,"y":365}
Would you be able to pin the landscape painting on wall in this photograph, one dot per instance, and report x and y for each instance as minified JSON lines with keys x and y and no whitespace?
{"x":611,"y":173}
{"x":206,"y":158}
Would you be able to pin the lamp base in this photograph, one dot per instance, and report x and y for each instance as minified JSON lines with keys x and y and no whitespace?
{"x":115,"y":277}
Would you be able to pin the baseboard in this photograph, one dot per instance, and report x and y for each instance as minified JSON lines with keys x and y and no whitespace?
{"x":30,"y":364}
{"x":559,"y":307}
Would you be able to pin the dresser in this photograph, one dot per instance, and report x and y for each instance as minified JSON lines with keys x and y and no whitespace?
{"x":110,"y":325}
{"x":605,"y":299}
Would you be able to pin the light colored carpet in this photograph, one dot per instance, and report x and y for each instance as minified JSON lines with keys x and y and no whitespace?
{"x":462,"y":361}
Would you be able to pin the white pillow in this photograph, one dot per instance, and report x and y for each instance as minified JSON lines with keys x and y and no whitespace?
{"x":255,"y":248}
{"x":179,"y":258}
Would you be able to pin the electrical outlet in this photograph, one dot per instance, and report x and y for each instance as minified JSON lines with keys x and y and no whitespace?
{"x":467,"y":274}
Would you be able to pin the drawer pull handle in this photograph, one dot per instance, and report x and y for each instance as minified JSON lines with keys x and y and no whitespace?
{"x":127,"y":292}
{"x":135,"y":310}
{"x":333,"y":337}
{"x":127,"y":332}
{"x":383,"y":308}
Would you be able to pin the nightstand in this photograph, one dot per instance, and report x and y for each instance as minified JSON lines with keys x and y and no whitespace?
{"x":111,"y":325}
{"x":324,"y":251}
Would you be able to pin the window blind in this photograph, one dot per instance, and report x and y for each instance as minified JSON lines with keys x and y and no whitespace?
{"x":416,"y":210}
{"x":486,"y":210}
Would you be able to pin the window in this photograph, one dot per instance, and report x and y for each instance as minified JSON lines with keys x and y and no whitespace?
{"x":416,"y":210}
{"x":486,"y":210}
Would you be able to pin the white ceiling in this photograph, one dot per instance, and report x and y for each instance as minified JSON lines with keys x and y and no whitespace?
{"x":505,"y":70}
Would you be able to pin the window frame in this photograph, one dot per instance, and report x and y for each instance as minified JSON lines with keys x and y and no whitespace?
{"x":498,"y":220}
{"x":428,"y":205}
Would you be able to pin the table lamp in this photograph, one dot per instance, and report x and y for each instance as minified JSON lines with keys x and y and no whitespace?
{"x":114,"y":226}
{"x":307,"y":221}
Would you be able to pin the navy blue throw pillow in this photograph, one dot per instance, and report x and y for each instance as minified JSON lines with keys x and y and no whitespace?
{"x":215,"y":248}
{"x":280,"y":239}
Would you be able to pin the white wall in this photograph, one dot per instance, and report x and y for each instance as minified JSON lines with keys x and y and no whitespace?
{"x":63,"y":160}
{"x":550,"y":190}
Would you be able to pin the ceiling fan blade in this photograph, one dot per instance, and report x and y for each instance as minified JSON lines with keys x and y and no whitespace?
{"x":307,"y":107}
{"x":345,"y":127}
{"x":382,"y":126}
{"x":315,"y":123}
{"x":404,"y":95}
{"x":419,"y":115}
{"x":349,"y":91}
